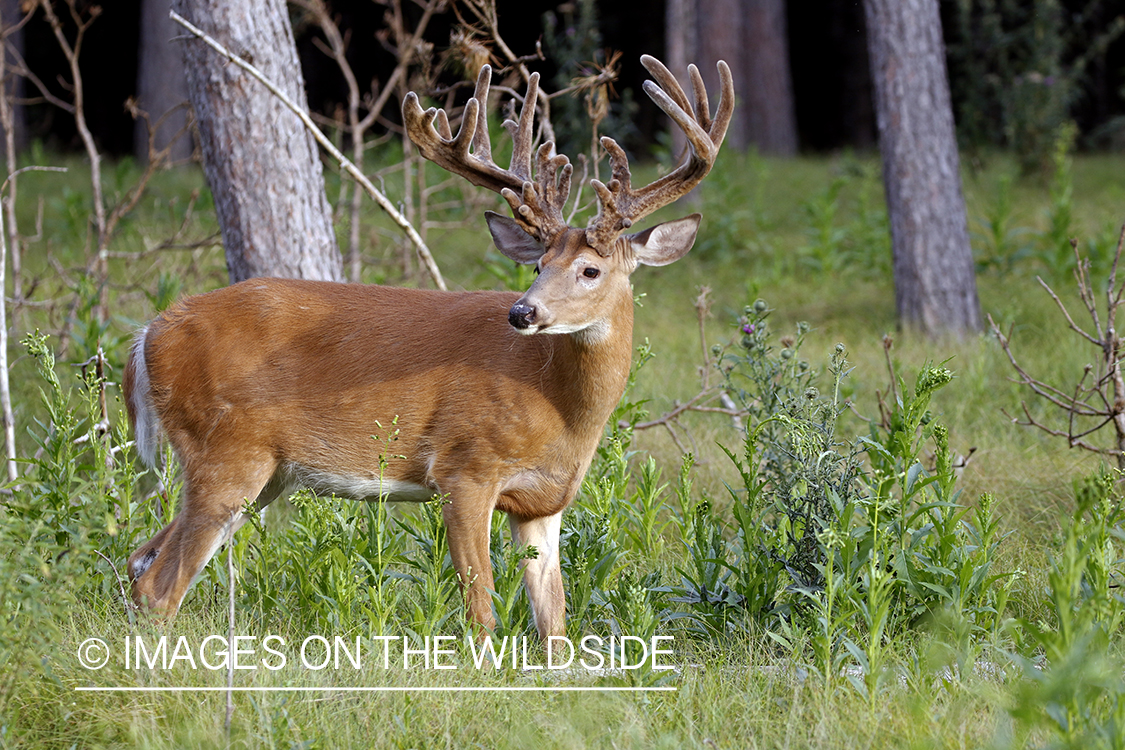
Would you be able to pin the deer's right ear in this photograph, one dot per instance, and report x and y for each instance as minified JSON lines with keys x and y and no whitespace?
{"x":511,"y":240}
{"x":665,"y":243}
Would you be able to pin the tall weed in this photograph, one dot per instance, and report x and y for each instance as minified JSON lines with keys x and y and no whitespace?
{"x":843,"y":545}
{"x":1073,"y":684}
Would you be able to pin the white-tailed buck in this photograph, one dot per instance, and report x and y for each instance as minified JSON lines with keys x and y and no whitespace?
{"x":500,"y":399}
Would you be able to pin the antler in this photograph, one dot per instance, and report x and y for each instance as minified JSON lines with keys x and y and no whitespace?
{"x":536,"y":205}
{"x":621,"y":206}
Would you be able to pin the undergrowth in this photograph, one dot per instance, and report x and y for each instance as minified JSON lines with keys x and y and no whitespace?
{"x":855,"y":557}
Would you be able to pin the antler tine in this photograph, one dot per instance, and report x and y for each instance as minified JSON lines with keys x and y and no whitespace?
{"x":441,"y":125}
{"x":482,"y":145}
{"x":702,"y":108}
{"x":536,"y":205}
{"x":667,"y":81}
{"x":697,"y":137}
{"x":562,"y":191}
{"x":429,"y":130}
{"x":539,"y":206}
{"x":611,"y":220}
{"x":523,"y":133}
{"x":555,"y":187}
{"x":620,"y":205}
{"x":725,"y":110}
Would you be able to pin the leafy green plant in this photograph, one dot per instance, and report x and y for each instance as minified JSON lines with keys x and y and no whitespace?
{"x":867,"y":237}
{"x":841,"y":545}
{"x":824,"y":249}
{"x":707,"y":576}
{"x":998,"y":241}
{"x":58,"y":523}
{"x":1016,"y":70}
{"x":1075,"y":687}
{"x":512,"y":610}
{"x":861,"y":243}
{"x":590,"y":555}
{"x":1056,"y":252}
{"x":647,"y":519}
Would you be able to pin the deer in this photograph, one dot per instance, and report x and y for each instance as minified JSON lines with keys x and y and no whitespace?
{"x":499,"y":399}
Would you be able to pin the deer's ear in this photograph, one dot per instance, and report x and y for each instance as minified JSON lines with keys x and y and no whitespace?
{"x":511,"y":240}
{"x":665,"y":243}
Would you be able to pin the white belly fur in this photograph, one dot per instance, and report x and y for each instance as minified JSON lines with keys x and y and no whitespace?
{"x":360,"y":488}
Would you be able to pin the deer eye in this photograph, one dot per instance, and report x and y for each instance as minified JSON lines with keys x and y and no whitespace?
{"x":591,"y":273}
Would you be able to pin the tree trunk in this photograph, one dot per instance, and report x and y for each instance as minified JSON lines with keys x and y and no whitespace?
{"x":935,"y":289}
{"x":161,"y":83}
{"x":750,"y":35}
{"x":261,"y":164}
{"x":719,"y":24}
{"x":679,"y":50}
{"x":767,"y":94}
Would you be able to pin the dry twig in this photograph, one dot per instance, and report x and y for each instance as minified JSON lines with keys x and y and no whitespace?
{"x":1098,"y":399}
{"x":374,"y":103}
{"x":708,"y":394}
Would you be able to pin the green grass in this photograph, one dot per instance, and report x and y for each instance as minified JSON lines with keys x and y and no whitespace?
{"x":749,"y":701}
{"x":805,"y":235}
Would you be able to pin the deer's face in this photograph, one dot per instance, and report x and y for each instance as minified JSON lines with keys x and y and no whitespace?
{"x":579,"y":286}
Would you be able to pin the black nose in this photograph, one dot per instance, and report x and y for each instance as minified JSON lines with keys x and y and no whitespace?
{"x":521,"y":316}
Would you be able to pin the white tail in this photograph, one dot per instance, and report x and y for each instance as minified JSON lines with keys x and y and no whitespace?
{"x":146,"y":424}
{"x":272,"y":383}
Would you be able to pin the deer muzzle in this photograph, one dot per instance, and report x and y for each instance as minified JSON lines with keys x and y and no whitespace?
{"x":522,"y":316}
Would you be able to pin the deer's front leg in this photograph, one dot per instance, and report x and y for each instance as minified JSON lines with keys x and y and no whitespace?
{"x":468,"y":517}
{"x":542,"y":575}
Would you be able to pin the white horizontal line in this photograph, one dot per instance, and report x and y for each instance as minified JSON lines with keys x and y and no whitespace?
{"x":482,"y":689}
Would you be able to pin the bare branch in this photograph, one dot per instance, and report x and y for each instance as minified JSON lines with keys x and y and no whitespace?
{"x":21,"y":170}
{"x":72,"y":53}
{"x":1101,"y":399}
{"x":1073,"y":326}
{"x":1057,"y":397}
{"x":1072,"y":441}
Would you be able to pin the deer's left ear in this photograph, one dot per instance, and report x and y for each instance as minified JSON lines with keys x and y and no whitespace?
{"x":665,"y":243}
{"x":511,"y":240}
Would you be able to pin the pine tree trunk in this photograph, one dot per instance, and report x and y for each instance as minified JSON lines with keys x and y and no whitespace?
{"x":161,"y":83}
{"x":261,"y":164}
{"x":719,"y":25}
{"x":935,"y":287}
{"x":750,"y":35}
{"x":767,"y":94}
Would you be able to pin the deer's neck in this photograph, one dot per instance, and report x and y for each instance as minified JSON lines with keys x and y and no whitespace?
{"x":593,"y":366}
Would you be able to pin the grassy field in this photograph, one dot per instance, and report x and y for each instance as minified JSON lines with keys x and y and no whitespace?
{"x":848,"y":595}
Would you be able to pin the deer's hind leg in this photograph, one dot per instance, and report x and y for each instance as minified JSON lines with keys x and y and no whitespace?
{"x":163,"y":568}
